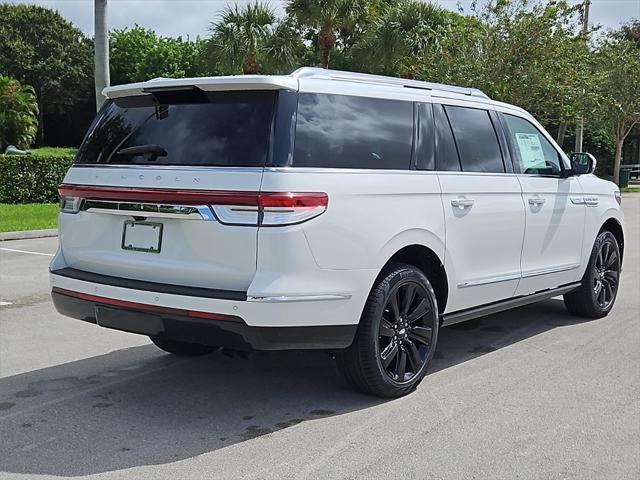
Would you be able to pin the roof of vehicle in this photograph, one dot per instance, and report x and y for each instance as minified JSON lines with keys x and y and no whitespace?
{"x":289,"y":82}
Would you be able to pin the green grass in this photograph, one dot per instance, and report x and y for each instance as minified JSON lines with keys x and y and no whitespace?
{"x":28,"y":216}
{"x":634,"y":189}
{"x":52,"y":151}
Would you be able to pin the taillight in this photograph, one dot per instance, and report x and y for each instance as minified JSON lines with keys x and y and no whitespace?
{"x":274,"y":209}
{"x":230,"y":207}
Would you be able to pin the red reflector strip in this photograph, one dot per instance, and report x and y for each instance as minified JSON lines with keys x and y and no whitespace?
{"x":195,"y":197}
{"x":158,"y":195}
{"x":143,"y":307}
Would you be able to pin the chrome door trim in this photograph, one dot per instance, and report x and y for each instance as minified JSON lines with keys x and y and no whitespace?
{"x":549,"y":270}
{"x":299,"y":298}
{"x":517,"y":276}
{"x":485,"y":281}
{"x":577,"y":200}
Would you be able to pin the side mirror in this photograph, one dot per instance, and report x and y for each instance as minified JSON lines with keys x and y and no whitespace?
{"x":583,"y":163}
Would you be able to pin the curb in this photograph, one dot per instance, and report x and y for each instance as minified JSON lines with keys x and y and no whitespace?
{"x":27,"y":234}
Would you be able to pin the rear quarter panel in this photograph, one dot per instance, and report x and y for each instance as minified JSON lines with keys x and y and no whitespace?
{"x":370,"y":216}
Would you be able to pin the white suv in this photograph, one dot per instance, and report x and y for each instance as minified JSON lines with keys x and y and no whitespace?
{"x":326,"y":210}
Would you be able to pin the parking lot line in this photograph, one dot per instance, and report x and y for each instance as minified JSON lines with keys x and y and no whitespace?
{"x":26,"y":251}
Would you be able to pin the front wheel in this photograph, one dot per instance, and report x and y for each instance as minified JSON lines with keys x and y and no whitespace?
{"x":597,"y":294}
{"x":397,"y":335}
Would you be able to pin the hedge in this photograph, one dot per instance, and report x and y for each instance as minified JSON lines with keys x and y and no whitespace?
{"x":33,"y":178}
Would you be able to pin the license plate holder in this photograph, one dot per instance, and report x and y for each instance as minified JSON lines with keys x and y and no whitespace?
{"x":142,"y":236}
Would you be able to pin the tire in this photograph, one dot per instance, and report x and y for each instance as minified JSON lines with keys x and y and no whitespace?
{"x":183,"y":349}
{"x":396,"y":337}
{"x":597,"y":294}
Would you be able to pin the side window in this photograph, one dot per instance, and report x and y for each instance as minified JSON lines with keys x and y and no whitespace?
{"x":533,"y":153}
{"x":447,"y":159}
{"x":340,"y":131}
{"x":476,"y":140}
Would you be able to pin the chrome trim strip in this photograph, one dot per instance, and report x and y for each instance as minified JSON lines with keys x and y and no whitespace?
{"x":299,"y":298}
{"x":485,"y":281}
{"x":517,"y":276}
{"x":577,"y":200}
{"x":546,"y":271}
{"x":153,"y":210}
{"x":185,"y":168}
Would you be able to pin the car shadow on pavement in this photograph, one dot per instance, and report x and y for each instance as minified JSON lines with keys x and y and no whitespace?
{"x":139,"y":406}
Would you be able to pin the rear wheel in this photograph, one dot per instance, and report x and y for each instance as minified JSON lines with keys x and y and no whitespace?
{"x":597,"y":294}
{"x":397,"y":335}
{"x":184,"y":349}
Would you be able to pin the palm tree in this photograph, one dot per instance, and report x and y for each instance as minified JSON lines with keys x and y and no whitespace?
{"x":402,"y":35}
{"x":327,"y":19}
{"x":101,"y":56}
{"x":251,"y":39}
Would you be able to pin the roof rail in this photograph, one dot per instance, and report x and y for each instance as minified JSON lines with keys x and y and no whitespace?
{"x":310,"y":72}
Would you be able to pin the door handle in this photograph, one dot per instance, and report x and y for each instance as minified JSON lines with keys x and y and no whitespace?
{"x":462,"y":203}
{"x":591,"y":201}
{"x":536,"y":201}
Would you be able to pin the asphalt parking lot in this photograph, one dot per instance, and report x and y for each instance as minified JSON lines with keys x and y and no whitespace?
{"x":532,"y":393}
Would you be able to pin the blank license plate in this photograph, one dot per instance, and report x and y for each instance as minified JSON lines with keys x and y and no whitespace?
{"x":142,"y":236}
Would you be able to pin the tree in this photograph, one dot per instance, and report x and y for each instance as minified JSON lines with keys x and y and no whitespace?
{"x":329,"y":20}
{"x":406,"y":33}
{"x":138,"y":54}
{"x":532,"y":54}
{"x":618,"y":71}
{"x":18,"y":114}
{"x":101,"y":56}
{"x":250,"y":39}
{"x":39,"y":47}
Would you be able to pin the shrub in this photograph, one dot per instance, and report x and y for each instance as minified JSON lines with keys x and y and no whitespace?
{"x":33,"y":178}
{"x":18,"y":114}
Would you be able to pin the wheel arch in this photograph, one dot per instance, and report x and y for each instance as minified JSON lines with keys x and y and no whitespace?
{"x":424,"y":258}
{"x":615,"y":227}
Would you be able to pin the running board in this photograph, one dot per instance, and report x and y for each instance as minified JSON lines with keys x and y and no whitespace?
{"x":491,"y":308}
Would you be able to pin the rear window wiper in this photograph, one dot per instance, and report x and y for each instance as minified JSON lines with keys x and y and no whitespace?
{"x":150,"y":151}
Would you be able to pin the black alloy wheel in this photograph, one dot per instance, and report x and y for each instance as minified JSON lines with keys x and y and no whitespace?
{"x":606,"y":274}
{"x":397,"y":334}
{"x":597,"y":293}
{"x":405,"y":332}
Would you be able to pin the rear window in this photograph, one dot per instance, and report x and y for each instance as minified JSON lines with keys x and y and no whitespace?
{"x":341,"y":131}
{"x":213,"y":129}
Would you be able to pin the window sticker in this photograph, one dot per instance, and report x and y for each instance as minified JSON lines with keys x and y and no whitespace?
{"x":531,"y":151}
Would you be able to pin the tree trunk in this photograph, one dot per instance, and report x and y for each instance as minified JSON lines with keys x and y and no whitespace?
{"x":101,"y":56}
{"x":562,"y":130}
{"x":40,"y":132}
{"x":326,"y":42}
{"x":617,"y":160}
{"x":250,"y":65}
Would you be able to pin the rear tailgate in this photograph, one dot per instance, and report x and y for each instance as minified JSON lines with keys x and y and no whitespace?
{"x":193,"y":248}
{"x":138,"y":202}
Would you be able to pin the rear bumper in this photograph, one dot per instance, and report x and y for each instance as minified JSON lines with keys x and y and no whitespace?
{"x":230,"y":331}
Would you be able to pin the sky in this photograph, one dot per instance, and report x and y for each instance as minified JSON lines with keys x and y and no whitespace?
{"x":190,"y":18}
